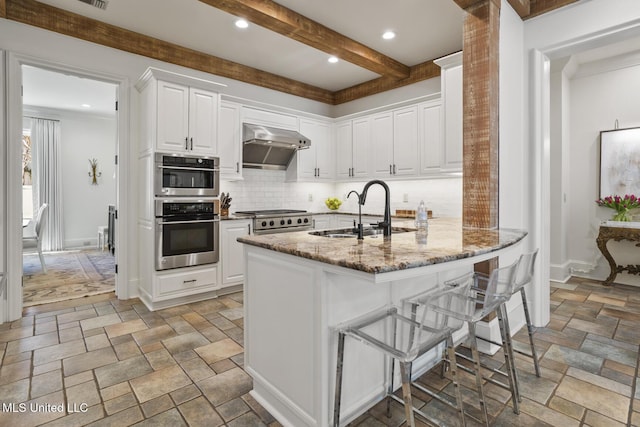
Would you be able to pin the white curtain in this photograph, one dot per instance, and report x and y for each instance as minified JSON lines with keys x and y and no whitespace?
{"x":47,"y":180}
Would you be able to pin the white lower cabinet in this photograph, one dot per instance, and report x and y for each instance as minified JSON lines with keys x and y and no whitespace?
{"x":231,"y":251}
{"x":346,"y":221}
{"x":323,"y":222}
{"x":183,"y":282}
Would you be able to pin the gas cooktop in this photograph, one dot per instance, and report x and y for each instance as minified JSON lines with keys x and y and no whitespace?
{"x":278,"y":220}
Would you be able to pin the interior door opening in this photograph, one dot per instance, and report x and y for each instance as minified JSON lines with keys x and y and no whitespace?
{"x":69,"y":185}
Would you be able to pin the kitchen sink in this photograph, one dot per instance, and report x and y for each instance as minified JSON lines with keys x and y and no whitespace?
{"x":345,"y":233}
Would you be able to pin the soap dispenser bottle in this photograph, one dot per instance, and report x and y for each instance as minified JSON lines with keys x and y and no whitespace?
{"x":421,"y":218}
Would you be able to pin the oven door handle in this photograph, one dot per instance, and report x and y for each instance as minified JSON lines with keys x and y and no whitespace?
{"x":161,"y":222}
{"x":188,"y":169}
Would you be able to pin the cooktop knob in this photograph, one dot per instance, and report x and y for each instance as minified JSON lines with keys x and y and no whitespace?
{"x":271,"y":223}
{"x":264,"y":223}
{"x":299,"y":221}
{"x":288,"y":221}
{"x":282,"y":222}
{"x":306,"y":220}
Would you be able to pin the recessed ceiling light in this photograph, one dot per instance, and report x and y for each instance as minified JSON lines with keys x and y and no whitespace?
{"x":241,"y":23}
{"x":388,"y":35}
{"x":86,"y":106}
{"x":332,"y":59}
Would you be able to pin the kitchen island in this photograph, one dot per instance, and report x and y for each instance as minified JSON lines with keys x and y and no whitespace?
{"x":299,"y":286}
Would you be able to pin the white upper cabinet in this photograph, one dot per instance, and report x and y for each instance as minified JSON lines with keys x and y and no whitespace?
{"x":230,"y":141}
{"x":430,"y":137}
{"x":394,"y":148}
{"x":451,"y":88}
{"x":405,"y":141}
{"x":382,"y":145}
{"x":344,"y":149}
{"x":180,"y":113}
{"x":352,"y":148}
{"x":318,"y":161}
{"x":257,"y":116}
{"x":187,"y":119}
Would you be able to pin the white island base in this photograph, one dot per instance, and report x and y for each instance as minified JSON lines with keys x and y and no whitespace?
{"x":292,"y":305}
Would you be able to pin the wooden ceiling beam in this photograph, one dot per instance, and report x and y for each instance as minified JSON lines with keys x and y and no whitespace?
{"x":277,"y":18}
{"x":522,"y":7}
{"x":3,"y":8}
{"x":417,"y":73}
{"x":50,"y":18}
{"x":540,"y":7}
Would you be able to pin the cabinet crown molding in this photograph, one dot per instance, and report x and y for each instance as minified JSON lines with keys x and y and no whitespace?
{"x":176,"y":78}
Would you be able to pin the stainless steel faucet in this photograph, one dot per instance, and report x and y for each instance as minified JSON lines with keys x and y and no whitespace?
{"x":386,"y":223}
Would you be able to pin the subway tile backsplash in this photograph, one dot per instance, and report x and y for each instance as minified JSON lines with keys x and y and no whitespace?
{"x":267,"y":189}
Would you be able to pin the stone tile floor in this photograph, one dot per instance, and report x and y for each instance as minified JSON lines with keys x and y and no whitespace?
{"x":103,"y":362}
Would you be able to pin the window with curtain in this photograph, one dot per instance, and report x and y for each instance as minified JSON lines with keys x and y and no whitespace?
{"x":47,"y":179}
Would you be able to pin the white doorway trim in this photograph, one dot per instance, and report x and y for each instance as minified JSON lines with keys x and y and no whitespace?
{"x":12,"y":309}
{"x":540,"y":119}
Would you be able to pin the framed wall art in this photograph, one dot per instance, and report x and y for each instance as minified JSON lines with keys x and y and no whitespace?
{"x":620,"y":162}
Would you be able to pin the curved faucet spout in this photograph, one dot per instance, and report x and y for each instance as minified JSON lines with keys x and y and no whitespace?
{"x":386,"y":223}
{"x":359,"y":228}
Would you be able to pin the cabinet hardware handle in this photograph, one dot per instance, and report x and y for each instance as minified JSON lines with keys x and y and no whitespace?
{"x":318,"y":171}
{"x":186,"y":142}
{"x":189,"y":281}
{"x":394,"y":168}
{"x":390,"y":170}
{"x":314,"y":223}
{"x":237,"y":167}
{"x":249,"y":228}
{"x":192,"y":144}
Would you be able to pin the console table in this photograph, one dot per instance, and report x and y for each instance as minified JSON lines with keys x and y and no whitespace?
{"x":617,"y":231}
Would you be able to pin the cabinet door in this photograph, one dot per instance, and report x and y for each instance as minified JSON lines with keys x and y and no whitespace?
{"x":405,"y":141}
{"x":344,"y":150}
{"x":316,"y":161}
{"x":346,"y":221}
{"x":230,"y":140}
{"x":307,"y":157}
{"x":322,"y":222}
{"x":173,"y":117}
{"x":361,"y":147}
{"x":232,"y":252}
{"x":325,"y":155}
{"x":203,"y":115}
{"x":453,"y":119}
{"x":382,"y":145}
{"x":430,"y":137}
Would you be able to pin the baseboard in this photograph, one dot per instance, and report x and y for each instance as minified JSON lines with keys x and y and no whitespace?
{"x":560,"y":272}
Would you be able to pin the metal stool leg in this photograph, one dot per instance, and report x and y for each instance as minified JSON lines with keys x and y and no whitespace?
{"x":405,"y":373}
{"x":507,"y":349}
{"x":392,"y":365}
{"x":338,"y":394}
{"x":451,"y":356}
{"x":534,"y":355}
{"x":476,"y":362}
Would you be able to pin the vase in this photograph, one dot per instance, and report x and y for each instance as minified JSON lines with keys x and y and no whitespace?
{"x":622,"y":215}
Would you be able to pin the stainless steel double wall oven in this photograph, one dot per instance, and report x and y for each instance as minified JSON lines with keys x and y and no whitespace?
{"x":187,"y":210}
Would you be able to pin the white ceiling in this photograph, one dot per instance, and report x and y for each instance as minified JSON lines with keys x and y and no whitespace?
{"x":426,"y":29}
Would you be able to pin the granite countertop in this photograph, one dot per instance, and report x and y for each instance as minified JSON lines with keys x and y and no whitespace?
{"x":447,"y":241}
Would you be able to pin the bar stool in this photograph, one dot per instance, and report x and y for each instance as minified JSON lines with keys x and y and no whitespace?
{"x":487,"y":299}
{"x":404,"y":339}
{"x":525,"y":275}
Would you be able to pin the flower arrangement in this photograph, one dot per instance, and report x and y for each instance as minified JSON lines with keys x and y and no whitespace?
{"x":622,"y":205}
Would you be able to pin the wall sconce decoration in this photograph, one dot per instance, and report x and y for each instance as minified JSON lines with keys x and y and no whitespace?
{"x":94,"y":174}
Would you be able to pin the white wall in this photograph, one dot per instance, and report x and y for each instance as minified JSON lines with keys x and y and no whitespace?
{"x":264,"y":189}
{"x":82,"y":137}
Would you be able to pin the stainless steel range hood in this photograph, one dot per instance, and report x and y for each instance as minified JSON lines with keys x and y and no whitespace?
{"x":270,"y":148}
